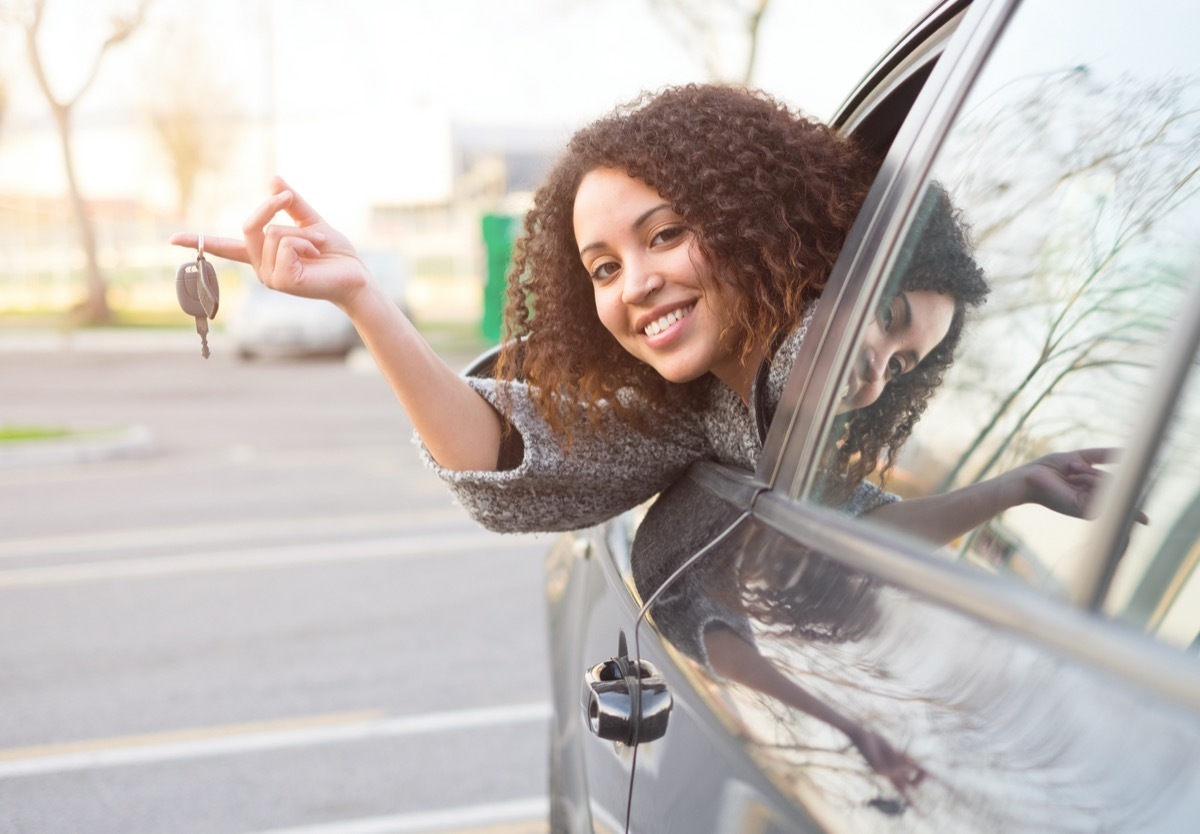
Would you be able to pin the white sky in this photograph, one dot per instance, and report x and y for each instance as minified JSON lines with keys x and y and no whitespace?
{"x":364,"y":90}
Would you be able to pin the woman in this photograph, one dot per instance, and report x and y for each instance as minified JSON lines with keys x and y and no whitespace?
{"x":665,"y":282}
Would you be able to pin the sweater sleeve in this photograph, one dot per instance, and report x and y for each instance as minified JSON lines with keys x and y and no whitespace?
{"x":865,"y":498}
{"x":552,"y":488}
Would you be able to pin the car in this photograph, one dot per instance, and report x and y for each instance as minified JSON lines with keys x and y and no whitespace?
{"x":275,"y":324}
{"x":1037,"y":674}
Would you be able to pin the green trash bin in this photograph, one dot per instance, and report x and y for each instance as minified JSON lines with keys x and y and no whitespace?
{"x":499,"y":232}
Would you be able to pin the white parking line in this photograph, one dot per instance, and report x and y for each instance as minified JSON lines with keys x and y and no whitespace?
{"x":193,"y":535}
{"x":455,"y":818}
{"x":392,"y":547}
{"x":224,"y":741}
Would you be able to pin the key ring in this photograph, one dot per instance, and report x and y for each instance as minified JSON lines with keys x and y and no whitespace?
{"x":200,"y":248}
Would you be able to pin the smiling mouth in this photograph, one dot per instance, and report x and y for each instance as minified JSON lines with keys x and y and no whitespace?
{"x":660,"y":324}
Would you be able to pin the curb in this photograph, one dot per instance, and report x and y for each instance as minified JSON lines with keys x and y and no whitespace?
{"x":134,"y":441}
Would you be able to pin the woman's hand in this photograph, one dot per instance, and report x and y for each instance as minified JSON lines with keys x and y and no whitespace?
{"x":898,"y":768}
{"x":1066,"y":482}
{"x":311,"y":259}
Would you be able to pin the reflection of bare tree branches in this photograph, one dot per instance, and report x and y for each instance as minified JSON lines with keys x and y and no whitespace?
{"x":789,"y":590}
{"x":1069,"y":125}
{"x":972,"y":783}
{"x":1096,"y":174}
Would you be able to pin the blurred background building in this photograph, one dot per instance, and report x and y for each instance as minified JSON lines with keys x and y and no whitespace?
{"x":404,"y":123}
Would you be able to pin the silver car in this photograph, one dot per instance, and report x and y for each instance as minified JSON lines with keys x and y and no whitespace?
{"x":275,"y":324}
{"x":740,"y":656}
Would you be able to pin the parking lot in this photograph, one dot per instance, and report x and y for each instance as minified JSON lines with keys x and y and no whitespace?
{"x":256,"y":613}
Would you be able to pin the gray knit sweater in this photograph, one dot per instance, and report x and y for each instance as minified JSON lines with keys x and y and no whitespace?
{"x":603,"y":476}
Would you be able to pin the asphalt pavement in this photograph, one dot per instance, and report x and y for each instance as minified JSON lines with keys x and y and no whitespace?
{"x":253,"y":610}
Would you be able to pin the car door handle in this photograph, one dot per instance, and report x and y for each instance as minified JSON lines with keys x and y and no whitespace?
{"x":626,"y":701}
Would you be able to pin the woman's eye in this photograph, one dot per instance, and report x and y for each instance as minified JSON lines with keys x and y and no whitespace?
{"x":895,"y":368}
{"x":668,"y":234}
{"x":604,"y":271}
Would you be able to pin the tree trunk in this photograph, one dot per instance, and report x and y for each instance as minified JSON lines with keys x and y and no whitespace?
{"x":93,"y":309}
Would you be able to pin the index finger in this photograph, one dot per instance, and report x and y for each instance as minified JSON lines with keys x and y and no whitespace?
{"x":1099,"y":455}
{"x":298,"y":209}
{"x":223,"y":247}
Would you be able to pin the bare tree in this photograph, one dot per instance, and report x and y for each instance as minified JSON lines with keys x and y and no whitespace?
{"x":30,"y":16}
{"x":189,"y":114}
{"x":701,"y":26}
{"x":1128,"y":155}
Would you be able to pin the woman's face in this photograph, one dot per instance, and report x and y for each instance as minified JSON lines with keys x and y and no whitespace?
{"x":903,"y":332}
{"x":650,"y":280}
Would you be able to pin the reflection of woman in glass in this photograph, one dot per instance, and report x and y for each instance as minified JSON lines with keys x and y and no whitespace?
{"x":894,"y":378}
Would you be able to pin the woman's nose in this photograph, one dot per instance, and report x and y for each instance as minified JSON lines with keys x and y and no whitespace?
{"x":874,"y":365}
{"x":640,"y":281}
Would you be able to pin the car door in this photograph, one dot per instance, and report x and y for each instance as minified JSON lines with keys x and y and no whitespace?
{"x":704,"y":516}
{"x":831,"y":672}
{"x":1073,"y":160}
{"x":593,"y":610}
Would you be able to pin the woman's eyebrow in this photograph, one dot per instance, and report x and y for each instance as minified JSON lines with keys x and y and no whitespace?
{"x":637,"y":224}
{"x":646,"y":215}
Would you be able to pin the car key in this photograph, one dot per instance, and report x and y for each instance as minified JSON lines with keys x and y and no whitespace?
{"x":198,"y":293}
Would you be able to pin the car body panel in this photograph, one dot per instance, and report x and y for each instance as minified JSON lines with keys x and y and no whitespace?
{"x":980,"y":710}
{"x":591,"y":777}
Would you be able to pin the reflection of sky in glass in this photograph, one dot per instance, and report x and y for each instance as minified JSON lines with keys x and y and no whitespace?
{"x":1074,"y":162}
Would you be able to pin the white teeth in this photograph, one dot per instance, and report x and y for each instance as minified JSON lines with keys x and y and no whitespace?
{"x":656,"y":327}
{"x":845,"y":392}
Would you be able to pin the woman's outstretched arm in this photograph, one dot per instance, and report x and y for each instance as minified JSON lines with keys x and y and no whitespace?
{"x":1066,"y":482}
{"x":460,"y":429}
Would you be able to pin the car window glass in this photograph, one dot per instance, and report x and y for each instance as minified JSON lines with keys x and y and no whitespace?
{"x":1072,"y":169}
{"x":1157,"y":586}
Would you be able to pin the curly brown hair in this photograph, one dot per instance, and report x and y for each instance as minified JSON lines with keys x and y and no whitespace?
{"x":939,"y":257}
{"x":769,"y":195}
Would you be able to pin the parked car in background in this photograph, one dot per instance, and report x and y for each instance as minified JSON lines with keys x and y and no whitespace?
{"x":1040,"y":673}
{"x":275,"y":324}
